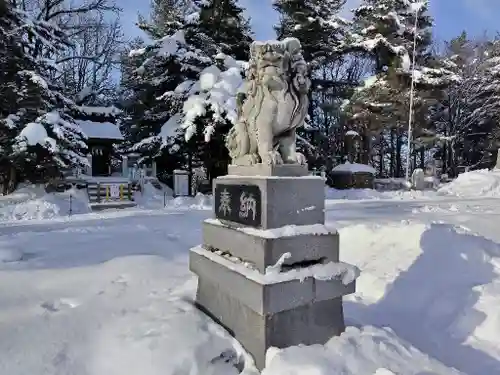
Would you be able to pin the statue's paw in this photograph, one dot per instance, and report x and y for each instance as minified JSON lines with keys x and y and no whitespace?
{"x":272,"y":158}
{"x":301,"y":159}
{"x":254,"y":159}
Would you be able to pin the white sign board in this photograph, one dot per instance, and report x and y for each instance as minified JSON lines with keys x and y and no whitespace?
{"x":114,"y":191}
{"x":181,"y":183}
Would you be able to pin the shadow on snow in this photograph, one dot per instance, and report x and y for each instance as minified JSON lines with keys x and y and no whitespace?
{"x":426,"y":304}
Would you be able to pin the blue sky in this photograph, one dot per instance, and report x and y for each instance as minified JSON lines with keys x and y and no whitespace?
{"x":451,"y":16}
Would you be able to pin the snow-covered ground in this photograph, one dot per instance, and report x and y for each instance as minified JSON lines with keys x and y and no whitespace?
{"x":110,"y":293}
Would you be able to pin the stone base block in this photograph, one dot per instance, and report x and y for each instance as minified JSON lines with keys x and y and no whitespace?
{"x":285,"y":200}
{"x":314,"y":323}
{"x":316,"y":243}
{"x":259,"y":314}
{"x":352,"y":180}
{"x":283,"y":170}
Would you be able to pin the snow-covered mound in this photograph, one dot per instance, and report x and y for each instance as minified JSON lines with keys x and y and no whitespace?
{"x":32,"y":203}
{"x":22,"y":194}
{"x":367,"y":350}
{"x":152,"y":197}
{"x":8,"y":255}
{"x":198,"y":202}
{"x":480,"y":183}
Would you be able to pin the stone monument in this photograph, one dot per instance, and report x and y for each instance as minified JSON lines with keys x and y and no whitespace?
{"x":418,"y":179}
{"x":268,"y":269}
{"x":353,"y":174}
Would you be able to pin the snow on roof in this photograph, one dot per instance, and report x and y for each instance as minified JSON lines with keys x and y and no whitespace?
{"x":101,"y":130}
{"x":354,"y":167}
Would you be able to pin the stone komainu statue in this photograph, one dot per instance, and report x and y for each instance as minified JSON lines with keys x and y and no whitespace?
{"x":274,"y":105}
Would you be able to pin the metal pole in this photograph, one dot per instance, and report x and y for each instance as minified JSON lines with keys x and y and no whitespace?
{"x":411,"y":98}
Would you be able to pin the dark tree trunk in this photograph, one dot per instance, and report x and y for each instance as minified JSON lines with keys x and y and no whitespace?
{"x":399,"y":146}
{"x":381,"y":155}
{"x":393,"y":161}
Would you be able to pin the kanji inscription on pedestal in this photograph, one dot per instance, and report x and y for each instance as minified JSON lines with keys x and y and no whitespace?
{"x":239,"y":203}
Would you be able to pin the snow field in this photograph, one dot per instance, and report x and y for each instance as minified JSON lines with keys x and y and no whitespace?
{"x":111,"y":293}
{"x":114,"y":297}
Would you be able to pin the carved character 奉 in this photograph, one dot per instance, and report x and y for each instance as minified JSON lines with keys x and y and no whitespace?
{"x":274,"y":106}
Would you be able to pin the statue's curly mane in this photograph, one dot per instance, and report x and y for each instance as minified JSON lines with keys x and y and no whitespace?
{"x":262,"y":91}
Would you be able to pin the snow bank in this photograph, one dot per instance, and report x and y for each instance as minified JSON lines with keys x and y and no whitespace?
{"x":23,"y":193}
{"x":480,"y":183}
{"x":435,"y":285}
{"x":364,"y":351}
{"x":31,"y":203}
{"x":151,"y":197}
{"x":8,"y":255}
{"x":371,"y":194}
{"x":198,"y":202}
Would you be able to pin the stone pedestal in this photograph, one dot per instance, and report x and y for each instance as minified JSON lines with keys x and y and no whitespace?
{"x":125,"y":166}
{"x":342,"y":180}
{"x":268,"y":269}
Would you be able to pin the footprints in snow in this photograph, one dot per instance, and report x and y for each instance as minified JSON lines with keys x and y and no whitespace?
{"x":59,"y":305}
{"x":63,"y":304}
{"x":231,"y":358}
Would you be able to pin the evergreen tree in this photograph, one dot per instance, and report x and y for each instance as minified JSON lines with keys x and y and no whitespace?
{"x":43,"y":138}
{"x":11,"y":58}
{"x":449,"y":113}
{"x":323,"y":35}
{"x":170,"y":100}
{"x":385,"y":32}
{"x":316,"y":24}
{"x":479,"y":132}
{"x":224,"y":23}
{"x":166,"y":17}
{"x":465,"y":119}
{"x":162,"y":85}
